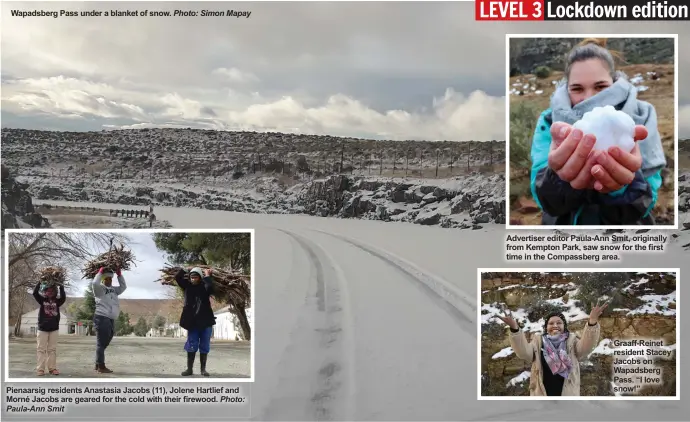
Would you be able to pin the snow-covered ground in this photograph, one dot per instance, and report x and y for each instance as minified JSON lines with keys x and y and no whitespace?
{"x":528,"y":85}
{"x":365,"y":320}
{"x":460,"y":202}
{"x":651,"y":304}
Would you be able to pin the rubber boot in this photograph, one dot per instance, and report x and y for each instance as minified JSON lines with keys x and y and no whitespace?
{"x":202,"y":358}
{"x":190,"y":364}
{"x":102,"y":369}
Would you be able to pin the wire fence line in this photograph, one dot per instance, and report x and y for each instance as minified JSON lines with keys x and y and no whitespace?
{"x":206,"y":167}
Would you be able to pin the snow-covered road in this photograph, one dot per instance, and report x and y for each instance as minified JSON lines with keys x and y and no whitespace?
{"x":360,"y":348}
{"x":363,"y":320}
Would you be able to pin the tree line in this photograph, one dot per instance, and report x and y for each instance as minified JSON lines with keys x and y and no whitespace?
{"x":84,"y":312}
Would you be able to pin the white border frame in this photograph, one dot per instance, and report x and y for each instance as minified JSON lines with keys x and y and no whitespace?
{"x":574,"y":270}
{"x":509,"y":226}
{"x":195,"y":380}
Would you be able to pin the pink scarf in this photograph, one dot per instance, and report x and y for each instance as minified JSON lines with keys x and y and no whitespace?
{"x":556,"y":355}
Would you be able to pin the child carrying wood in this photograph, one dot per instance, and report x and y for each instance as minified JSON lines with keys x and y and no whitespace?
{"x":48,"y":326}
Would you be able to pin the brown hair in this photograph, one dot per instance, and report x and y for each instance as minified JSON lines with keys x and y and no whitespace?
{"x":593,"y":48}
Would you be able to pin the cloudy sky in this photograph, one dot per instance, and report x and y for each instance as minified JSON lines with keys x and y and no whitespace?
{"x":141,"y":278}
{"x":376,"y":70}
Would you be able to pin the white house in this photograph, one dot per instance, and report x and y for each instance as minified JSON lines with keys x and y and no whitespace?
{"x":225,"y":328}
{"x":29,"y":324}
{"x":77,"y":329}
{"x":155,"y":332}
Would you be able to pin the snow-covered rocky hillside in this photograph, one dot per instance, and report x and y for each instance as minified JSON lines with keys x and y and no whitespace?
{"x":461,"y":184}
{"x":464,"y":202}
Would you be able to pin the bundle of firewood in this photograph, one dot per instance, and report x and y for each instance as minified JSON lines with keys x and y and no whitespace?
{"x":228,"y":286}
{"x":51,"y":276}
{"x":115,"y":259}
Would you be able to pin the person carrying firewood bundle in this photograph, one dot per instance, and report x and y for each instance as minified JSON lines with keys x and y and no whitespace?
{"x":197,"y":316}
{"x":107,"y":311}
{"x":48,"y":326}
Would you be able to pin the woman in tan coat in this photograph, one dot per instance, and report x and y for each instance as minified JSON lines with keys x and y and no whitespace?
{"x":556,"y":354}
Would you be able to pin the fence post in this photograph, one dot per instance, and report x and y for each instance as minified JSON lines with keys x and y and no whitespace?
{"x":491,"y":154}
{"x":395,"y":160}
{"x":437,"y":154}
{"x":469,"y":152}
{"x":380,"y":163}
{"x":452,"y":158}
{"x":421,"y":163}
{"x":407,"y":160}
{"x":342,"y":158}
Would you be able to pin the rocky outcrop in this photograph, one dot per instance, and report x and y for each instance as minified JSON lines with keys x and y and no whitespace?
{"x":462,"y":202}
{"x":529,"y":53}
{"x":17,"y":206}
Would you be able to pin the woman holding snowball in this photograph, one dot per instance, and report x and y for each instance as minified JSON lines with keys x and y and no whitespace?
{"x":574,"y":183}
{"x":555,"y":354}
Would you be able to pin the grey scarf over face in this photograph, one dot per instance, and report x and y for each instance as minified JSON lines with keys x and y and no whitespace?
{"x":623,"y":96}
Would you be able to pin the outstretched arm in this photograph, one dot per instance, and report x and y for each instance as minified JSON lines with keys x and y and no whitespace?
{"x":180,"y":280}
{"x":96,"y":284}
{"x":589,"y":340}
{"x":632,"y":179}
{"x":62,"y":298}
{"x":590,"y":335}
{"x":517,"y":338}
{"x":122,"y":284}
{"x":208,"y":284}
{"x":37,"y":295}
{"x":553,"y":195}
{"x":520,"y":346}
{"x":631,"y":204}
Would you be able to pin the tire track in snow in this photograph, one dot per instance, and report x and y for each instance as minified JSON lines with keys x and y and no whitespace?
{"x":450,"y":298}
{"x":320,"y":353}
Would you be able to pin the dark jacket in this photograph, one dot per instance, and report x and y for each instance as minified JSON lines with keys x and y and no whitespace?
{"x":196,"y":312}
{"x":49,"y":309}
{"x":563,"y":205}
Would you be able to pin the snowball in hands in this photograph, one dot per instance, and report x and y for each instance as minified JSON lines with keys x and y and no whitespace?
{"x":610,"y":126}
